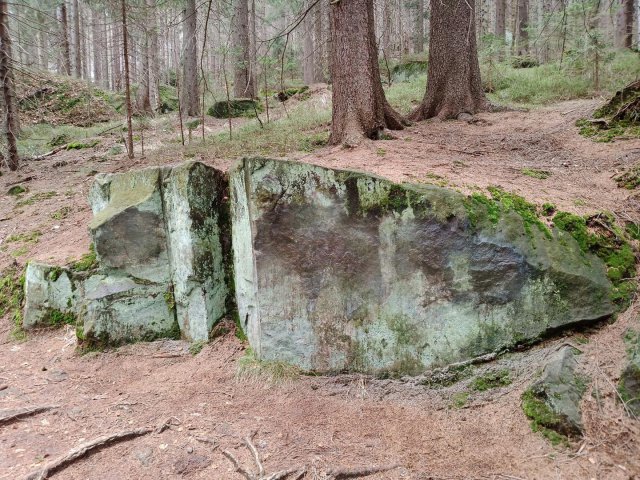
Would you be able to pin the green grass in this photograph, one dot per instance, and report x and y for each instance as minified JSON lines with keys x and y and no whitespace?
{"x":37,"y":139}
{"x":11,"y":299}
{"x":88,"y":261}
{"x":535,"y":173}
{"x":196,"y":347}
{"x":460,"y":399}
{"x":271,"y":372}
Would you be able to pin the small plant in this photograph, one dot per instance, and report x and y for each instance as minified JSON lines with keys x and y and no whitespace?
{"x":88,"y":261}
{"x":57,"y":318}
{"x":273,"y":372}
{"x":170,"y":299}
{"x":196,"y":347}
{"x":492,"y":379}
{"x":29,"y":237}
{"x":535,"y":173}
{"x":61,"y":213}
{"x":17,"y":190}
{"x":116,"y":150}
{"x":460,"y":399}
{"x":548,"y":209}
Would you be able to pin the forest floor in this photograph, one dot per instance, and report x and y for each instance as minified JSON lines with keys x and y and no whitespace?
{"x":452,"y":432}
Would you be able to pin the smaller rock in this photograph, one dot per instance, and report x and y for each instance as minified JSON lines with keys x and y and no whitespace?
{"x":553,"y":402}
{"x":50,"y":295}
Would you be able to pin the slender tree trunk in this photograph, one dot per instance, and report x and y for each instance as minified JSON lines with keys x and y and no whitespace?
{"x":454,"y":84}
{"x":523,"y":27}
{"x":243,"y":81}
{"x":386,"y":28}
{"x":127,"y":87}
{"x":418,"y":43}
{"x":318,"y":53}
{"x":624,"y":24}
{"x":10,"y":111}
{"x":42,"y":40}
{"x":359,"y":106}
{"x":500,"y":30}
{"x":307,"y":50}
{"x":77,"y":49}
{"x":190,"y":96}
{"x":154,"y":67}
{"x":66,"y":50}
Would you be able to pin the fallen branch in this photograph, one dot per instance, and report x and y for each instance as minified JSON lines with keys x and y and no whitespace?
{"x":48,"y":154}
{"x":254,"y":451}
{"x":239,"y":468}
{"x":83,"y":450}
{"x":14,"y":415}
{"x":342,"y":473}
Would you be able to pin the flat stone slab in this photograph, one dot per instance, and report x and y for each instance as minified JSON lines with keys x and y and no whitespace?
{"x":338,"y":270}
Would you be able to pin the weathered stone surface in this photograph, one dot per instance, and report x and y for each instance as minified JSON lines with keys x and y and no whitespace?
{"x":553,"y":402}
{"x":341,"y":270}
{"x":198,"y":235}
{"x":118,"y":309}
{"x":629,"y":385}
{"x":128,"y":228}
{"x":48,"y":289}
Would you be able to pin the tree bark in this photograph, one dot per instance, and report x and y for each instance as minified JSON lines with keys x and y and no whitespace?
{"x":318,"y":53}
{"x":243,"y":75}
{"x":127,"y":87}
{"x":10,"y":110}
{"x":154,"y":66}
{"x":307,"y":50}
{"x":77,"y":48}
{"x":624,"y":24}
{"x":42,"y":40}
{"x":418,"y":42}
{"x":454,"y":85}
{"x":523,"y":27}
{"x":190,"y":96}
{"x":501,"y":8}
{"x":360,"y":109}
{"x":66,"y":50}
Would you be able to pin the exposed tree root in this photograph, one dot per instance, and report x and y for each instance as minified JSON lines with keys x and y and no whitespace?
{"x":343,"y":473}
{"x":14,"y":415}
{"x":83,"y":450}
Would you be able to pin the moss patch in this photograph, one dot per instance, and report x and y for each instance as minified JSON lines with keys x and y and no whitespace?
{"x":535,"y":173}
{"x":239,"y":107}
{"x":87,"y":262}
{"x":600,"y":236}
{"x":492,"y":379}
{"x":543,"y":418}
{"x":57,"y":318}
{"x":629,"y":179}
{"x":12,"y":298}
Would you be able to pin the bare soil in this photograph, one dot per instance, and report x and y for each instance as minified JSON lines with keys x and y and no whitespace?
{"x":317,"y":421}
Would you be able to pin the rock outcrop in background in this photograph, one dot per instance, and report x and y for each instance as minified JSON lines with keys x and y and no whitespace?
{"x":332,"y":270}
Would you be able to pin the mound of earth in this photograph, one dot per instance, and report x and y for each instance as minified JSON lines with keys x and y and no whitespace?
{"x":61,"y":101}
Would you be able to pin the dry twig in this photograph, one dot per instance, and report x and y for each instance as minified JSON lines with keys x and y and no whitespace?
{"x":343,"y":473}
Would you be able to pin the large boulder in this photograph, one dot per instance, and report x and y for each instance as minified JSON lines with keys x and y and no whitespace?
{"x":342,"y":270}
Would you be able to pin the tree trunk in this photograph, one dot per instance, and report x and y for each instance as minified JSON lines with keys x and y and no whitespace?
{"x":318,"y":53}
{"x":624,"y":24}
{"x":66,"y":50}
{"x":154,"y":66}
{"x":190,"y":96}
{"x":42,"y":40}
{"x":453,"y":86}
{"x":10,"y":110}
{"x":307,"y":50}
{"x":523,"y":27}
{"x":243,"y":76}
{"x":418,"y":43}
{"x":360,"y":109}
{"x":501,"y":8}
{"x":77,"y":48}
{"x":127,"y":87}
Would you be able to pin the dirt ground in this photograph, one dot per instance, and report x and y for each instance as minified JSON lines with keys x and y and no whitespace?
{"x":317,"y":422}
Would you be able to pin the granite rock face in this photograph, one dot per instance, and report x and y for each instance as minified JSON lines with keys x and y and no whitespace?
{"x":340,"y":270}
{"x":50,"y":289}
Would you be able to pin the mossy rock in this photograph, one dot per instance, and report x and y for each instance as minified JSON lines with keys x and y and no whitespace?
{"x":524,"y":62}
{"x":238,"y":107}
{"x":287,"y":93}
{"x":629,"y":385}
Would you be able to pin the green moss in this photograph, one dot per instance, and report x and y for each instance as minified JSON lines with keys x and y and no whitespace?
{"x":87,"y":262}
{"x":238,"y":107}
{"x":492,"y":379}
{"x":196,"y":347}
{"x":602,"y":133}
{"x":170,"y":299}
{"x":535,"y":173}
{"x":629,"y":179}
{"x":600,"y":236}
{"x":548,"y":209}
{"x":460,"y":399}
{"x":61,"y":213}
{"x":543,"y":418}
{"x":54,"y":273}
{"x":81,"y":145}
{"x":528,"y":211}
{"x":17,"y":190}
{"x":12,"y":298}
{"x":57,"y":318}
{"x":59,"y":140}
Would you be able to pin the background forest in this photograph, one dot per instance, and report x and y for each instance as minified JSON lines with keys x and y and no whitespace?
{"x":184,"y":56}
